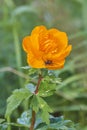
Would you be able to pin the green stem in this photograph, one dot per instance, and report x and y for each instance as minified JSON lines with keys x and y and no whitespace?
{"x":9,"y":121}
{"x":5,"y":16}
{"x":33,"y":112}
{"x":17,"y":51}
{"x":84,"y":13}
{"x":17,"y":48}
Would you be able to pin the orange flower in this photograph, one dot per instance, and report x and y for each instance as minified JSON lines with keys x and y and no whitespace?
{"x":46,"y":48}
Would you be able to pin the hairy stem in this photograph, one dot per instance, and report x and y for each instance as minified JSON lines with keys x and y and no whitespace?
{"x":33,"y":112}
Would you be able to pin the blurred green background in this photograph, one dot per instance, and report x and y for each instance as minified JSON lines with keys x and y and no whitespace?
{"x":17,"y":19}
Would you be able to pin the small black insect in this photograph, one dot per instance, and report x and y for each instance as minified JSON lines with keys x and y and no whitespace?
{"x":48,"y":62}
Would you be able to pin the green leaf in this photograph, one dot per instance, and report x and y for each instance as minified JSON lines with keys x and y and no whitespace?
{"x":52,"y":78}
{"x":23,"y":121}
{"x":3,"y":127}
{"x":37,"y":103}
{"x":33,"y":71}
{"x":43,"y":104}
{"x":2,"y":120}
{"x":16,"y":98}
{"x":26,"y":67}
{"x":45,"y":116}
{"x":57,"y":123}
{"x":31,"y":87}
{"x":71,"y":79}
{"x":45,"y":109}
{"x":25,"y":118}
{"x":46,"y":88}
{"x":23,"y":9}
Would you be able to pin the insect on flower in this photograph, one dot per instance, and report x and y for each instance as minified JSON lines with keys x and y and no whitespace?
{"x":48,"y":62}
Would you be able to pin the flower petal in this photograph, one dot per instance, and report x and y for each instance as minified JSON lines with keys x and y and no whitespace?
{"x":31,"y":45}
{"x":56,"y":65}
{"x":66,"y":52}
{"x":38,"y":29}
{"x":36,"y":32}
{"x":34,"y":62}
{"x":60,"y":39}
{"x":59,"y":56}
{"x":26,"y":44}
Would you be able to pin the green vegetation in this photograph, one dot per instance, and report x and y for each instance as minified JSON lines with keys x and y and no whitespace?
{"x":17,"y":19}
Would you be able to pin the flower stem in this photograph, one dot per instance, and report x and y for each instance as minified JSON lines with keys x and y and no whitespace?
{"x":33,"y":112}
{"x":39,"y":80}
{"x":32,"y":120}
{"x":9,"y":121}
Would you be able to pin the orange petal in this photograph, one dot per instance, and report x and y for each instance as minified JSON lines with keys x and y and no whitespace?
{"x":56,"y":65}
{"x":38,"y":29}
{"x":30,"y":44}
{"x":66,"y":52}
{"x":35,"y":39}
{"x":60,"y":38}
{"x":33,"y":62}
{"x":26,"y":44}
{"x":35,"y":45}
{"x":62,"y":54}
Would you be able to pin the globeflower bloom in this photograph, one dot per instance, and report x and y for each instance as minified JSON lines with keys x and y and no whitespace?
{"x":46,"y":48}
